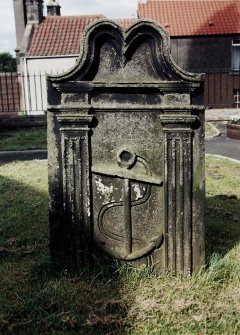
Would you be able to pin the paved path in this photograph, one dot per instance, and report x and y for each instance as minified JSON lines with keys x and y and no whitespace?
{"x":9,"y":156}
{"x":222,"y":145}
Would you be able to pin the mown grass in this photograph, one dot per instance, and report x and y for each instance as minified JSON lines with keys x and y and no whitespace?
{"x":23,"y":139}
{"x":36,"y":138}
{"x":37,"y":298}
{"x":210,"y":130}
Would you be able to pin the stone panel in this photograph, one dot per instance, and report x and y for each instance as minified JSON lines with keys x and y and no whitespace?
{"x":126,"y":148}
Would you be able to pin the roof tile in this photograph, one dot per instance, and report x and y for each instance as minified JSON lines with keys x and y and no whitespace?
{"x":125,"y":22}
{"x":192,"y":17}
{"x":60,"y":35}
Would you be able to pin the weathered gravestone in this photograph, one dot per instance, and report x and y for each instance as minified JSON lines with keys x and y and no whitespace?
{"x":126,"y":154}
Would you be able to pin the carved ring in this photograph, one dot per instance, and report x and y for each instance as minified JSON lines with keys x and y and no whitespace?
{"x":126,"y":158}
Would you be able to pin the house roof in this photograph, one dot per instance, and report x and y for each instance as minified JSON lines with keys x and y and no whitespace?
{"x":59,"y":35}
{"x":125,"y":22}
{"x":193,"y":17}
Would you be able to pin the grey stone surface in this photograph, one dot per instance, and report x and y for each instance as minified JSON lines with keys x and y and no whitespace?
{"x":223,"y":145}
{"x":20,"y":20}
{"x":221,"y":114}
{"x":126,"y":154}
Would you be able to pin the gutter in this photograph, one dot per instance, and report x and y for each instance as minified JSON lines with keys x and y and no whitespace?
{"x":26,"y":93}
{"x":53,"y":56}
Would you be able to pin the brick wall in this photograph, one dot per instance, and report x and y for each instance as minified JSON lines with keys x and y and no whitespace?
{"x":9,"y":94}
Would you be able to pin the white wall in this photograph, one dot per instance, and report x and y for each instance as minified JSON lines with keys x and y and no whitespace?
{"x":36,"y":69}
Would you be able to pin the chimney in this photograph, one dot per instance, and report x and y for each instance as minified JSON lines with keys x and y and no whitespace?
{"x":20,"y":20}
{"x":53,"y":8}
{"x":34,"y":9}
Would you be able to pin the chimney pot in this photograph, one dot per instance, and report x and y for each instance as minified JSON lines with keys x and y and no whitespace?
{"x":53,"y":8}
{"x":34,"y":10}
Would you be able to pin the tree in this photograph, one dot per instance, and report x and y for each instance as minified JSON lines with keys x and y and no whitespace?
{"x":7,"y":62}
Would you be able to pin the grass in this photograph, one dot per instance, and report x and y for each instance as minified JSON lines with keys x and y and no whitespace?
{"x":23,"y":139}
{"x":36,"y":138}
{"x":36,"y":298}
{"x":210,"y":130}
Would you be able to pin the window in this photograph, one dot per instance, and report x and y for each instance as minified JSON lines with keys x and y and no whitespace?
{"x":236,"y":55}
{"x":236,"y":97}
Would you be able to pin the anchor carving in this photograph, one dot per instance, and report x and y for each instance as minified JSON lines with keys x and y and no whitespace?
{"x":127,"y":160}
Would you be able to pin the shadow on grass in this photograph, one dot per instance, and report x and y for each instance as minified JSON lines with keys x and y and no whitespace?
{"x":23,"y":139}
{"x":23,"y":214}
{"x":222,"y":224}
{"x":36,"y":296}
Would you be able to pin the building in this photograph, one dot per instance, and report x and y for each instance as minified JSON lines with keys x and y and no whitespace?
{"x":45,"y":44}
{"x":205,"y":37}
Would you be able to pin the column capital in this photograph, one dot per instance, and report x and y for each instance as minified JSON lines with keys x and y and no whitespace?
{"x":179,"y":120}
{"x":74,"y":122}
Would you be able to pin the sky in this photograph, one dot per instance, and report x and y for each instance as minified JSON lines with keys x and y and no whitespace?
{"x":109,"y":8}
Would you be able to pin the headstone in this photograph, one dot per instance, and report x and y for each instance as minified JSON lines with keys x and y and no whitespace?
{"x":126,"y":154}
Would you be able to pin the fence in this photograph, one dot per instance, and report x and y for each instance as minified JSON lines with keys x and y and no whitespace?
{"x":221,"y":88}
{"x":27,"y":95}
{"x":20,"y":94}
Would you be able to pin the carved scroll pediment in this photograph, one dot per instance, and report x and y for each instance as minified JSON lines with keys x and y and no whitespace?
{"x":139,"y":54}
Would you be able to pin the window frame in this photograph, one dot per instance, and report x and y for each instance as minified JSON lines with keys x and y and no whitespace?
{"x":235,"y":58}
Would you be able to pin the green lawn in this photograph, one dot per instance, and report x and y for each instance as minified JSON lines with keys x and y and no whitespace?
{"x":36,"y":138}
{"x":35,"y":298}
{"x":23,"y":139}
